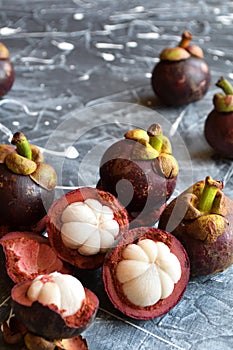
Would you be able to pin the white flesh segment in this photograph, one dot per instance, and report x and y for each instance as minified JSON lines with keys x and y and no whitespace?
{"x":72,"y":297}
{"x":50,"y":294}
{"x":144,"y":290}
{"x":81,"y":212}
{"x":107,"y":240}
{"x":91,"y":245}
{"x":134,"y":252}
{"x":167,"y":284}
{"x":111,"y":226}
{"x":150,"y":248}
{"x":84,"y":223}
{"x":171,"y":266}
{"x":130,"y":269}
{"x":62,"y":290}
{"x":74,"y":234}
{"x":161,"y":271}
{"x":95,"y":205}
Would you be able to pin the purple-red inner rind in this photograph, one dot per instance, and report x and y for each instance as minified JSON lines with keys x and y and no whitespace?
{"x":54,"y":224}
{"x":46,"y":321}
{"x":29,"y":255}
{"x":114,"y":288}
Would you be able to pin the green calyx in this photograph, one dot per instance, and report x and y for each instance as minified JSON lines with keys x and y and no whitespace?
{"x":224,"y":103}
{"x":149,"y":144}
{"x":183,"y":51}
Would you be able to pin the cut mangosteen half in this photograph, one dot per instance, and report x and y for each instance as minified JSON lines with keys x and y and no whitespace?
{"x":54,"y":306}
{"x":84,"y":224}
{"x":29,"y":255}
{"x":146,"y":274}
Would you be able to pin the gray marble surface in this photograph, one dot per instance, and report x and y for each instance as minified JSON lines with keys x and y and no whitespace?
{"x":83,"y":73}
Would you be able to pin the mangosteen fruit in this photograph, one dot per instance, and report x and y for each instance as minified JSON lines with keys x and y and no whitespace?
{"x":218,"y":128}
{"x":7,"y":73}
{"x":54,"y":306}
{"x":26,"y":186}
{"x":141,"y":172}
{"x":83,"y":224}
{"x":181,"y":76}
{"x":28,"y":255}
{"x":202,"y":219}
{"x":146,"y":274}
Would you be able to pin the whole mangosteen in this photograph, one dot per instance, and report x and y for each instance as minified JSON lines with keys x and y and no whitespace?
{"x":7,"y":74}
{"x":141,"y":172}
{"x":182,"y":76}
{"x":218,"y":128}
{"x":202,"y":219}
{"x":146,"y":274}
{"x":26,"y":186}
{"x":83,"y":225}
{"x":54,"y":306}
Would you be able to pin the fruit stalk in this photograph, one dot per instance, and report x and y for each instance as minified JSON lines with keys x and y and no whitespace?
{"x":225,"y":85}
{"x":22,"y":145}
{"x":185,"y":39}
{"x":155,"y":136}
{"x":208,"y":194}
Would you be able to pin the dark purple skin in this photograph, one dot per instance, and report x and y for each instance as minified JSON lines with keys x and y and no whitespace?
{"x":7,"y":76}
{"x":205,"y":258}
{"x":138,"y":184}
{"x":181,"y":82}
{"x":23,"y":202}
{"x":218,"y":131}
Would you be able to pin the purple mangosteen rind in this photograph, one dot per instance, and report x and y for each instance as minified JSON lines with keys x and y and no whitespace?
{"x":114,"y":289}
{"x":142,"y":181}
{"x":181,"y":76}
{"x":206,"y":236}
{"x":54,"y":224}
{"x":46,"y":320}
{"x":219,"y":122}
{"x":7,"y":71}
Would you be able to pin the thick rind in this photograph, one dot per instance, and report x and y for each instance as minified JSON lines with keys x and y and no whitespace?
{"x":54,"y":224}
{"x":46,"y":321}
{"x":39,"y":248}
{"x":114,"y":288}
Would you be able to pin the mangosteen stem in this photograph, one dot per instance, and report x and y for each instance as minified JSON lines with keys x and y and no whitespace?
{"x":225,"y":85}
{"x":22,"y":145}
{"x":208,"y":194}
{"x":155,"y":136}
{"x":185,"y":40}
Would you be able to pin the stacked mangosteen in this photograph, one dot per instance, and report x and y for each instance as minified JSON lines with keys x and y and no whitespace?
{"x":145,"y":270}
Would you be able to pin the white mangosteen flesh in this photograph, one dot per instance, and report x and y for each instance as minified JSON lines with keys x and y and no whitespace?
{"x":148,"y":272}
{"x":89,"y":227}
{"x":62,"y":290}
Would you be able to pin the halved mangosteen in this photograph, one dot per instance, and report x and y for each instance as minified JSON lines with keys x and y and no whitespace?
{"x":54,"y":306}
{"x":146,"y":274}
{"x":28,"y":255}
{"x":83,"y":224}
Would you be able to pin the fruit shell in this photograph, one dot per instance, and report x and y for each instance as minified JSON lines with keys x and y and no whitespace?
{"x":46,"y":321}
{"x":29,"y":255}
{"x":218,"y":131}
{"x":54,"y":224}
{"x":23,"y":203}
{"x":205,"y":257}
{"x":114,"y":289}
{"x":181,"y":82}
{"x":7,"y":76}
{"x":150,"y":187}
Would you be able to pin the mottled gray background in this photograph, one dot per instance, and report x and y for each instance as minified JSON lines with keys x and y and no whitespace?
{"x":83,"y":73}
